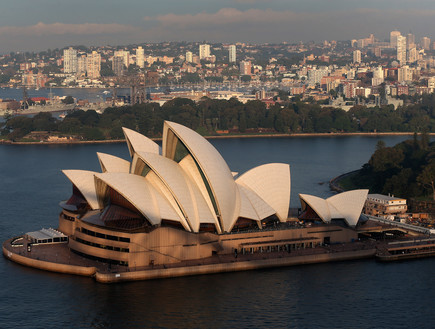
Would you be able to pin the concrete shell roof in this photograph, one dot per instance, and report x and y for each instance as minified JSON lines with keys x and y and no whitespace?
{"x":182,"y":189}
{"x":137,"y":142}
{"x":252,"y":206}
{"x":215,"y":169}
{"x":271,"y":182}
{"x":319,"y":205}
{"x":347,"y":205}
{"x":350,"y":204}
{"x":140,"y":193}
{"x":84,"y":181}
{"x":111,"y":163}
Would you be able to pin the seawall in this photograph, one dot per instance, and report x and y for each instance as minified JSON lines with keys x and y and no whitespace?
{"x":49,"y":266}
{"x":104,"y":276}
{"x":232,"y":266}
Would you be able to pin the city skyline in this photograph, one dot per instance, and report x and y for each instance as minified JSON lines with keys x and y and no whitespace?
{"x":49,"y":25}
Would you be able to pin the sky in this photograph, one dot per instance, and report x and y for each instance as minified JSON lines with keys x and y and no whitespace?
{"x":36,"y":25}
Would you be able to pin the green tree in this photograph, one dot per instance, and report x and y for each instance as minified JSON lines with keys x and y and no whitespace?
{"x":106,"y":70}
{"x":386,"y":158}
{"x":92,"y":133}
{"x":427,"y":178}
{"x":245,"y":78}
{"x":68,"y":100}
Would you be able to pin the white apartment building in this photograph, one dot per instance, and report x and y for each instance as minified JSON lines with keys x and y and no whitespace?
{"x":140,"y":57}
{"x":125,"y":56}
{"x":401,"y":49}
{"x":204,"y":51}
{"x":70,"y":60}
{"x":378,"y":76}
{"x":356,"y":56}
{"x":232,"y":53}
{"x":404,"y":74}
{"x":393,"y":38}
{"x":93,"y":65}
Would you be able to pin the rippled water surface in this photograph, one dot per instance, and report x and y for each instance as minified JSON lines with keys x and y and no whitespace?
{"x":356,"y":294}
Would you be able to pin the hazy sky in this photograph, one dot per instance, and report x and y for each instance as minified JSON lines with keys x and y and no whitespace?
{"x":35,"y":25}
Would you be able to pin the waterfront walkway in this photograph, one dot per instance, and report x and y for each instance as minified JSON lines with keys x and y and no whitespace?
{"x":60,"y":254}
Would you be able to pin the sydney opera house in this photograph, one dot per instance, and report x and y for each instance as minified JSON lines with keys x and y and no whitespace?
{"x":181,"y":202}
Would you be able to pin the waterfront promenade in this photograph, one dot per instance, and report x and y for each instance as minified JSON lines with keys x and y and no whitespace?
{"x":59,"y":258}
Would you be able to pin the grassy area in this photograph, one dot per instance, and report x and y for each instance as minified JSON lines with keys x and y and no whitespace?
{"x":346,"y":183}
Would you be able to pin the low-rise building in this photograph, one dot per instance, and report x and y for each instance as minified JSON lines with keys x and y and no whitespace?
{"x":384,"y":205}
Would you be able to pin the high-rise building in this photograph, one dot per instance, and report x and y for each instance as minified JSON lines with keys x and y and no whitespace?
{"x":118,"y":65}
{"x":378,"y":76}
{"x":189,"y":57}
{"x":93,"y":65}
{"x":125,"y":55}
{"x":393,"y":38}
{"x":70,"y":60}
{"x":245,"y":68}
{"x":377,"y":51}
{"x":410,"y":41}
{"x":232,"y":53}
{"x":356,"y":56}
{"x":315,"y":75}
{"x":425,"y":43}
{"x":404,"y":73}
{"x":401,"y":49}
{"x":412,"y":55}
{"x":204,"y":51}
{"x":81,"y":65}
{"x":140,"y":57}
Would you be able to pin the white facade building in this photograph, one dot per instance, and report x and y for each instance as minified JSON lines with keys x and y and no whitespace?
{"x":378,"y":76}
{"x":393,"y":38}
{"x":140,"y":57}
{"x":232,"y":53}
{"x":425,"y":43}
{"x":404,"y":74}
{"x":204,"y":51}
{"x":125,"y":56}
{"x":70,"y":60}
{"x":401,"y":49}
{"x":315,"y":76}
{"x":93,"y":65}
{"x":356,"y":56}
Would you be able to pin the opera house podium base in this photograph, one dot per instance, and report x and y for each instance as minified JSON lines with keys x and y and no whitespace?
{"x":58,"y":257}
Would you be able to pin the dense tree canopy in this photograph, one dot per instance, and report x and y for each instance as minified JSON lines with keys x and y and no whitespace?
{"x":212,"y":115}
{"x":405,"y":170}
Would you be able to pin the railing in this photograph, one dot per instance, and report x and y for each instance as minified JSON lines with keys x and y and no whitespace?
{"x":401,"y":225}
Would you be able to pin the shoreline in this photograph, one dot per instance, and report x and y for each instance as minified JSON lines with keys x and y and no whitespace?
{"x":108,"y":141}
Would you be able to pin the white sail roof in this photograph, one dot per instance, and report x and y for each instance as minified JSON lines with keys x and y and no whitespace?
{"x":140,"y":193}
{"x":84,"y":181}
{"x":185,"y":191}
{"x":252,"y":206}
{"x":111,"y":163}
{"x":347,"y":205}
{"x":214,"y":168}
{"x":271,"y":182}
{"x":137,"y":142}
{"x":190,"y":183}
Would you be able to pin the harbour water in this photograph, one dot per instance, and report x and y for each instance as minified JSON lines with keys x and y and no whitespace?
{"x":356,"y":294}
